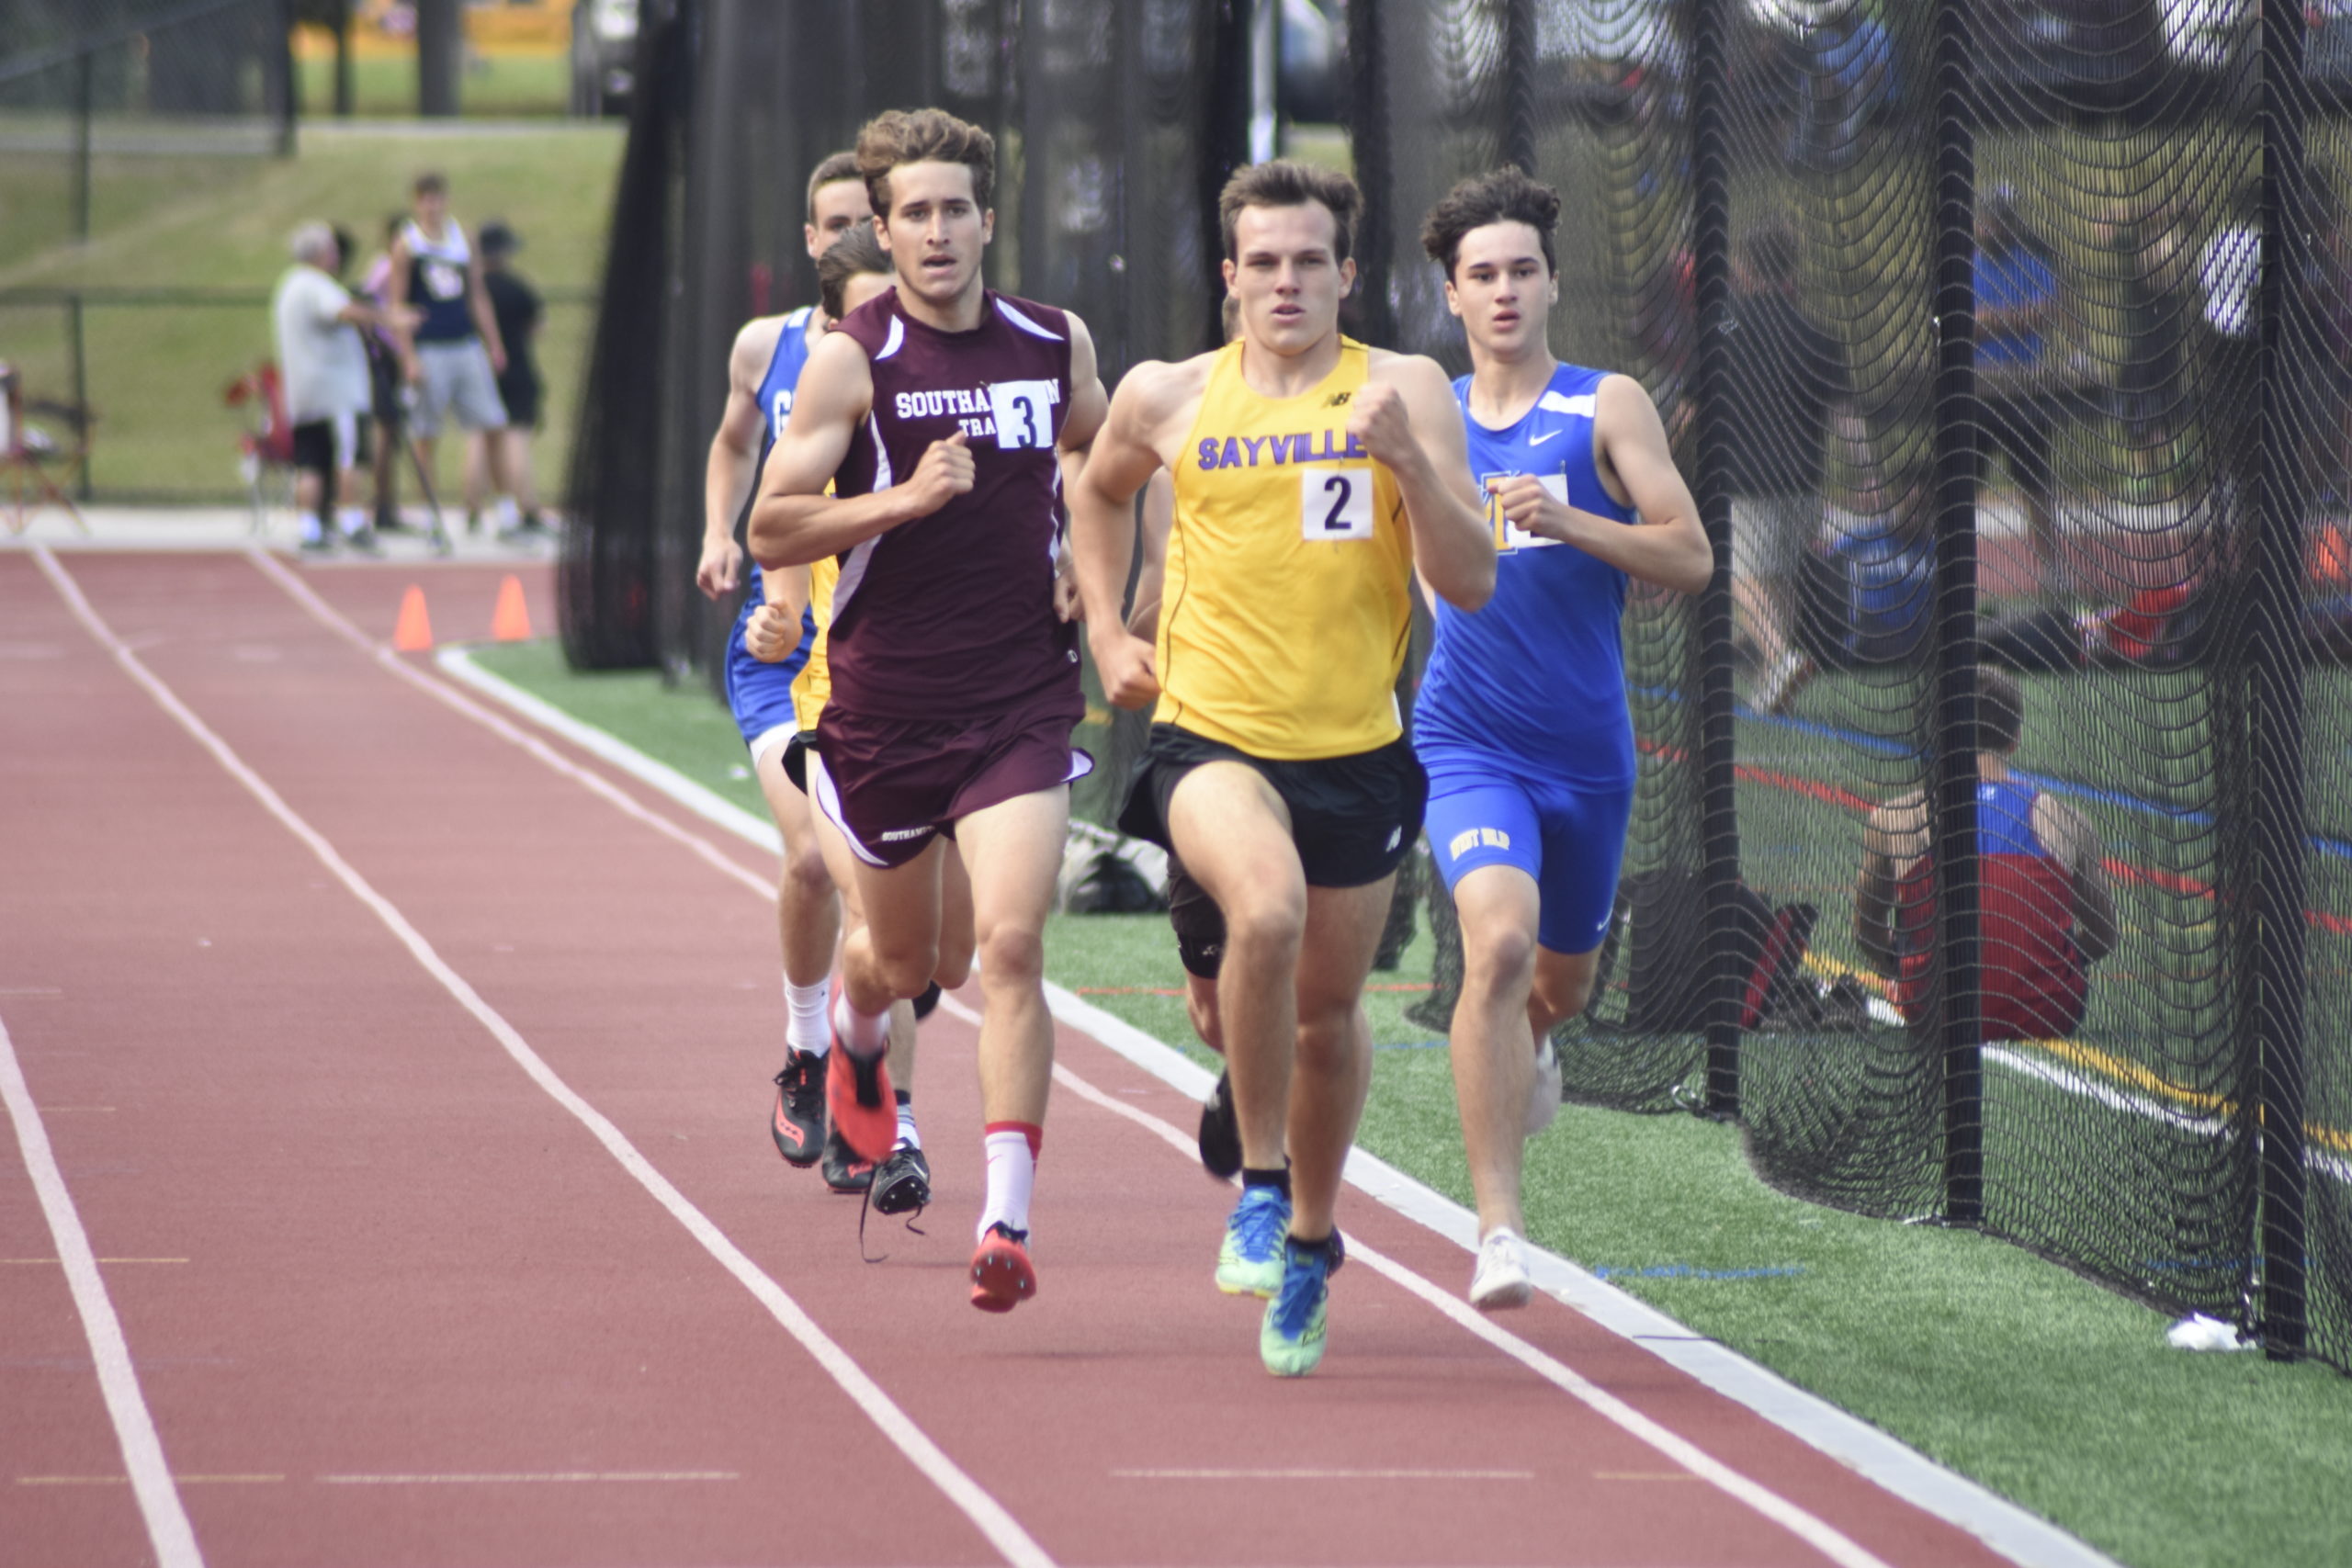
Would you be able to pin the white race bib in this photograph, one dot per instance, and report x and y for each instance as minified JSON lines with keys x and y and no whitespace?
{"x":1513,"y":537}
{"x":1335,"y":503}
{"x":1023,"y":412}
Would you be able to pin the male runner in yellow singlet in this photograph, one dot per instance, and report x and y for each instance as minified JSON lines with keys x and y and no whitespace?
{"x":1312,"y":475}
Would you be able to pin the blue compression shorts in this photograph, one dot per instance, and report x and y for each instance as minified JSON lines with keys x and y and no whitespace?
{"x":1569,"y":837}
{"x":759,"y":695}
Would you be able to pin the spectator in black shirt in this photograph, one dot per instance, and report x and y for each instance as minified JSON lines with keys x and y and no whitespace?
{"x":1786,"y":371}
{"x":518,"y":308}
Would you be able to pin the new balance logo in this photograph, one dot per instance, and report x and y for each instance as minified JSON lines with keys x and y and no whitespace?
{"x":1336,"y":400}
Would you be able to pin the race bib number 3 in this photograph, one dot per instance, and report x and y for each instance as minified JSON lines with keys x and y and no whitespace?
{"x":1335,"y":503}
{"x":1023,"y":412}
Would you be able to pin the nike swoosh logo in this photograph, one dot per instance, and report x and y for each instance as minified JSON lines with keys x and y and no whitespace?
{"x":1539,"y":440}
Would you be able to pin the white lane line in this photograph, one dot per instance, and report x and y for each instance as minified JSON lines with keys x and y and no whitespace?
{"x":1323,"y":1474}
{"x":143,"y":1450}
{"x":986,"y":1515}
{"x":556,"y":1476}
{"x":1815,"y":1533}
{"x":2003,"y":1527}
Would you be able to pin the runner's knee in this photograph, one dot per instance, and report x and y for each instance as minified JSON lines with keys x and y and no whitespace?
{"x":1012,"y":955}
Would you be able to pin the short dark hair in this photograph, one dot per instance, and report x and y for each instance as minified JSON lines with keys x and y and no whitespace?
{"x":1285,"y":183}
{"x":837,"y":168}
{"x":1769,"y":248}
{"x":1506,"y":196}
{"x":854,"y":254}
{"x":2000,"y":710}
{"x":432,"y":182}
{"x":923,"y":136}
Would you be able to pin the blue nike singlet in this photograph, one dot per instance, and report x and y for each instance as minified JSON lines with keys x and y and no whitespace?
{"x":785,"y":366}
{"x":1537,"y":676}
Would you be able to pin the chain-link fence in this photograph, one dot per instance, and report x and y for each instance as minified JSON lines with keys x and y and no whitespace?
{"x":1991,"y":333}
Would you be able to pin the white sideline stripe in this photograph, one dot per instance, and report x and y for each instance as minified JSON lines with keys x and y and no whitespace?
{"x":143,"y":1450}
{"x":986,"y":1515}
{"x":2005,"y":1528}
{"x":1814,"y":1532}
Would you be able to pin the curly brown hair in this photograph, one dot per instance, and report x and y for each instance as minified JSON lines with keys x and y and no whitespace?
{"x":1285,"y":183}
{"x":923,"y":136}
{"x":1507,"y":196}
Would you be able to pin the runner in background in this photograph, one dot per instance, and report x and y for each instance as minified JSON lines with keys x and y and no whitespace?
{"x":1521,"y":720}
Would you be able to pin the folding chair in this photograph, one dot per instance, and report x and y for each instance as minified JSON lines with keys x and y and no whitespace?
{"x":38,"y":468}
{"x":265,"y":448}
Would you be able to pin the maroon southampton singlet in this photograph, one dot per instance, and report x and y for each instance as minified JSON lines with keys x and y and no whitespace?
{"x":951,"y":617}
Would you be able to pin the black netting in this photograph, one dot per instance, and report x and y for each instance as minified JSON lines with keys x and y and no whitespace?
{"x":1993,"y":335}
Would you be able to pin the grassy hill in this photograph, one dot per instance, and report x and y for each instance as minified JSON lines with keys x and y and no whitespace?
{"x":156,"y":370}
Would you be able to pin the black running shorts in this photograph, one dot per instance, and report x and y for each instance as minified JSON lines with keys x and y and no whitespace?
{"x":1353,"y":818}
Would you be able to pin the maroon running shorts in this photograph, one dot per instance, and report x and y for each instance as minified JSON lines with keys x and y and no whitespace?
{"x":892,"y":785}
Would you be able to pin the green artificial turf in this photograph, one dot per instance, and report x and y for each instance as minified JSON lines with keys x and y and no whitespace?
{"x":2050,"y":1390}
{"x":156,"y":371}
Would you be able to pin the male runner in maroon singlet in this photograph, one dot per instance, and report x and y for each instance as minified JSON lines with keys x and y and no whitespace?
{"x":942,"y":414}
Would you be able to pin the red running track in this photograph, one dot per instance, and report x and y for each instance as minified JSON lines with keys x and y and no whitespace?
{"x":389,"y":1300}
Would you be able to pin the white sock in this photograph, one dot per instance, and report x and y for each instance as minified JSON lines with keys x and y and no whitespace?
{"x":314,"y":529}
{"x":804,"y":1023}
{"x":909,"y":1138}
{"x":865,"y":1033}
{"x":509,"y":515}
{"x":354,"y":520}
{"x":1012,"y":1172}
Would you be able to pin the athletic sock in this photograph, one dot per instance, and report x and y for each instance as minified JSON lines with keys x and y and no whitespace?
{"x":803,"y":1021}
{"x":909,"y":1136}
{"x":1012,"y":1172}
{"x":864,"y":1033}
{"x":314,"y":528}
{"x":1278,"y":1179}
{"x":508,"y":516}
{"x":354,"y":520}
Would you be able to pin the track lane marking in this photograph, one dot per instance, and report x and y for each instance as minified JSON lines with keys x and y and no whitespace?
{"x":1815,"y":1532}
{"x":1999,"y":1525}
{"x":986,"y":1515}
{"x":149,"y":1477}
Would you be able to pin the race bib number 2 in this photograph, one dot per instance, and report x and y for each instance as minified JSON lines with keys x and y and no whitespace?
{"x":1335,"y":503}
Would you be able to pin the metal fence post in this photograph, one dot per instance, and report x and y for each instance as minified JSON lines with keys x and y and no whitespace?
{"x":85,"y":109}
{"x":2271,"y":997}
{"x":1710,"y":664}
{"x":1519,"y":84}
{"x":1953,"y":785}
{"x":78,"y":347}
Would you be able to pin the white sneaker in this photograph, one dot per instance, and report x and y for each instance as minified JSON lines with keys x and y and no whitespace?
{"x":1499,"y":1282}
{"x":1544,"y":1099}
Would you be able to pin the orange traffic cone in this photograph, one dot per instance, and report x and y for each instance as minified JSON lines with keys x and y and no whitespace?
{"x":511,"y":621}
{"x":414,"y":633}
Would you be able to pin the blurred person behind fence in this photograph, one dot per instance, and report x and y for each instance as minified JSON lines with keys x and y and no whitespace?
{"x":324,"y":367}
{"x":519,"y":309}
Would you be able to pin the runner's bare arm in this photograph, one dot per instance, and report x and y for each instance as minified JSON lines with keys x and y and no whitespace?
{"x":1088,"y":405}
{"x":794,"y":521}
{"x":1102,"y":507}
{"x":1159,"y":520}
{"x":1664,"y":544}
{"x":774,"y":630}
{"x":726,"y":473}
{"x":1406,"y":418}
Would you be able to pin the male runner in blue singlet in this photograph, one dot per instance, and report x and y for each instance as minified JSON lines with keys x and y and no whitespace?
{"x":1522,"y":720}
{"x":763,"y":372}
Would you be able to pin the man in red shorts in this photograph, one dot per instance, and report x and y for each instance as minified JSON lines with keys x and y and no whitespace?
{"x":942,"y":414}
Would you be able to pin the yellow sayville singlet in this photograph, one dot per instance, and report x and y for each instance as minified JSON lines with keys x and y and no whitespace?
{"x":815,"y":683}
{"x":1288,"y":598}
